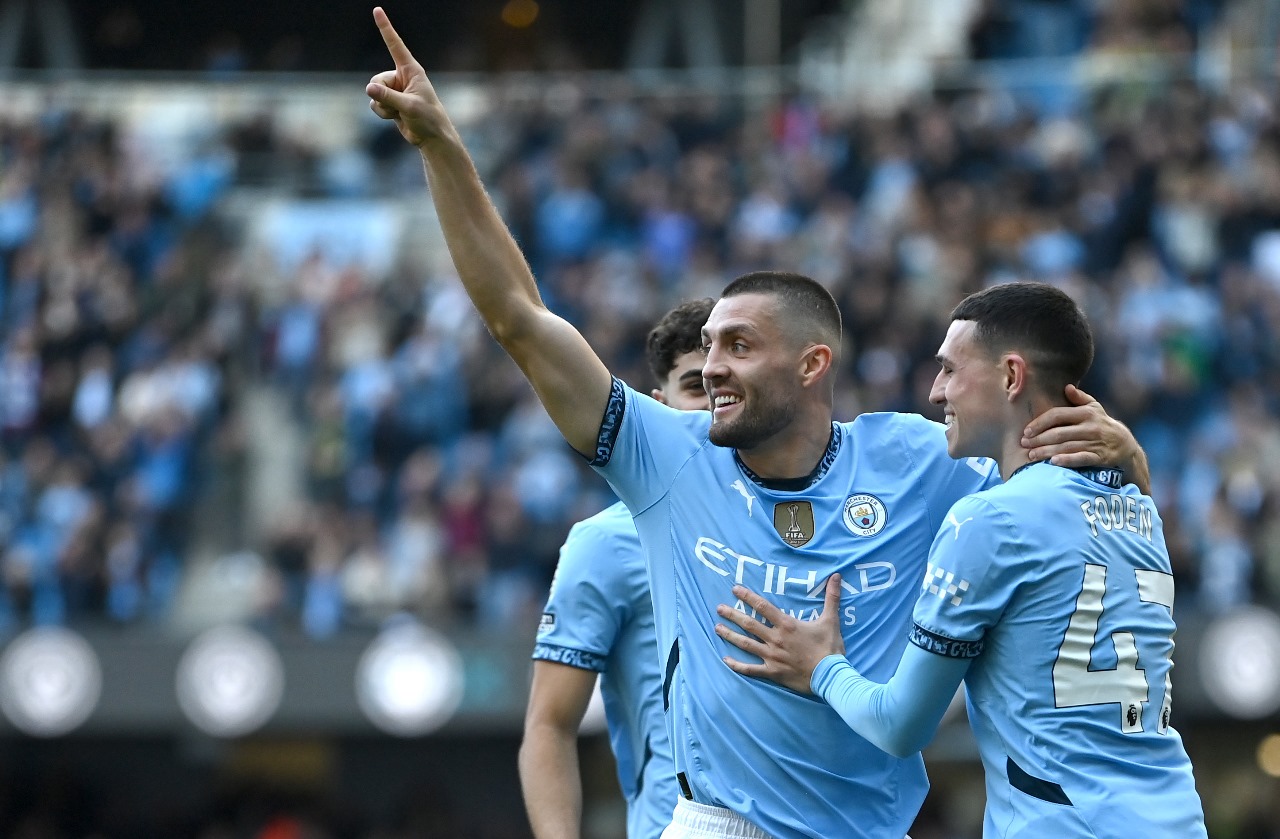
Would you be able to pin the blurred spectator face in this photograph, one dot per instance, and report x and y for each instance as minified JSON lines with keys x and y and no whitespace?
{"x":683,"y":388}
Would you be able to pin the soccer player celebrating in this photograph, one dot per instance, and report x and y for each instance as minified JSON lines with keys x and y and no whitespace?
{"x":1050,"y":595}
{"x":764,"y":490}
{"x":599,"y":619}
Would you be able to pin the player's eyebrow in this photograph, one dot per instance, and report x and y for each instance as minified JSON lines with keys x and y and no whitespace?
{"x":689,"y":376}
{"x":732,"y":329}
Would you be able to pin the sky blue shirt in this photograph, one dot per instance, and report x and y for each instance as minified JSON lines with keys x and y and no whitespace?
{"x":785,"y":762}
{"x":1056,"y":590}
{"x":599,"y":617}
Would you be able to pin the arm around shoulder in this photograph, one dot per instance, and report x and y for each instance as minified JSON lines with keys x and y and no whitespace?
{"x":1082,"y":435}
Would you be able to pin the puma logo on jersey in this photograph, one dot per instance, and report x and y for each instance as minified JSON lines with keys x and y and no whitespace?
{"x":951,"y":517}
{"x":742,"y":490}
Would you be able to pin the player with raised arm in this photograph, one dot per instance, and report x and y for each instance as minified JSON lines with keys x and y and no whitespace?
{"x":765,"y":490}
{"x":599,"y":620}
{"x":1050,"y":595}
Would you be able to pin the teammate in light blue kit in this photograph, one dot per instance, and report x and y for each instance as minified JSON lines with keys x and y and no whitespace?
{"x":767,"y":490}
{"x":599,"y":620}
{"x":1051,"y":595}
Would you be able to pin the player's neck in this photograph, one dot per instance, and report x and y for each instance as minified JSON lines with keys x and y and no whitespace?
{"x":1013,"y":456}
{"x":793,"y":453}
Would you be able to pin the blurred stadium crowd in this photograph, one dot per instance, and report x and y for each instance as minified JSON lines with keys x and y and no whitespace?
{"x":134,"y":325}
{"x":141,"y":330}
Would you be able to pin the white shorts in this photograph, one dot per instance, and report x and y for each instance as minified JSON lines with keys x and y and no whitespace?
{"x":692,"y":820}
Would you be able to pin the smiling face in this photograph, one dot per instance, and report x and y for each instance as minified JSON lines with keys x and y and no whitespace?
{"x":970,"y":387}
{"x":750,"y":371}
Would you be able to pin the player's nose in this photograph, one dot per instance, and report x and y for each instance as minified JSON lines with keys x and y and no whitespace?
{"x":714,"y":368}
{"x":937,"y":393}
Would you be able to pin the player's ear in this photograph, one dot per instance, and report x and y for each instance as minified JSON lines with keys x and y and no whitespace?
{"x":1017,"y":377}
{"x":658,"y":395}
{"x":815,"y":363}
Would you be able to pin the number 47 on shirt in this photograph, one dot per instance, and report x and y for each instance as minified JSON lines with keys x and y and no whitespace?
{"x":1075,"y":684}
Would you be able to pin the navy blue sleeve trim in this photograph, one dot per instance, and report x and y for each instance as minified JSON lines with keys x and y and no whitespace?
{"x":574,"y":658}
{"x":610,"y":423}
{"x":943,"y":646}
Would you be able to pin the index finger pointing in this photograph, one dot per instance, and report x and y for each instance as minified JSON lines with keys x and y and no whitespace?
{"x":399,"y":52}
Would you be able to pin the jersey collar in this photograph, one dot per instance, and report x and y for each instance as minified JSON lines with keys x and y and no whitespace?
{"x":1107,"y":476}
{"x":797,"y":484}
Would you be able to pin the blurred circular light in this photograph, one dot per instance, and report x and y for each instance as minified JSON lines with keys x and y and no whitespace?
{"x":409,"y":681}
{"x":1240,"y":663}
{"x":520,"y":13}
{"x":50,"y":681}
{"x":1269,"y":755}
{"x":230,"y":681}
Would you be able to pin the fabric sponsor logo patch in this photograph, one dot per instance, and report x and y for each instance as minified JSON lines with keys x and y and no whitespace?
{"x":794,"y":522}
{"x":944,"y":584}
{"x":546,"y":623}
{"x":864,"y":514}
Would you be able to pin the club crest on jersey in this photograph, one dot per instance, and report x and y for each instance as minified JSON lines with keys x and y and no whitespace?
{"x":794,"y":522}
{"x":864,"y":514}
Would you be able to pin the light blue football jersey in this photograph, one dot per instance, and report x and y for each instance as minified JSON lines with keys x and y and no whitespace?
{"x":1058,"y":584}
{"x":784,"y":761}
{"x":599,"y":617}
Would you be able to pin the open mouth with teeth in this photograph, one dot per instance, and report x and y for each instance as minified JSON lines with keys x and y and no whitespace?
{"x":726,"y":402}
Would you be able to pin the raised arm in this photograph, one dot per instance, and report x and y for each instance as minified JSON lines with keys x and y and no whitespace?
{"x":549,"y":773}
{"x":567,"y":375}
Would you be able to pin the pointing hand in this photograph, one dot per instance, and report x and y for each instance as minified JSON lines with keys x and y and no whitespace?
{"x":405,"y":95}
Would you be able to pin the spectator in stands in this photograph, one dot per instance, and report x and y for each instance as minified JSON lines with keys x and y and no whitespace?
{"x":1161,"y":223}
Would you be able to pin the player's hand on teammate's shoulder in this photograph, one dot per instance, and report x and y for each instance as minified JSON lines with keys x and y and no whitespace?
{"x":789,"y":649}
{"x":405,"y":95}
{"x":1081,"y":434}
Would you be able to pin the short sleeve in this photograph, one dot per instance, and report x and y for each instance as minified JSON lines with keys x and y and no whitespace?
{"x":590,"y":599}
{"x":643,"y":444}
{"x":965,"y":588}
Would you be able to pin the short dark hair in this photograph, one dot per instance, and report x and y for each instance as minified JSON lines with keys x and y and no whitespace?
{"x":804,"y":301}
{"x":1037,"y":319}
{"x":678,"y":333}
